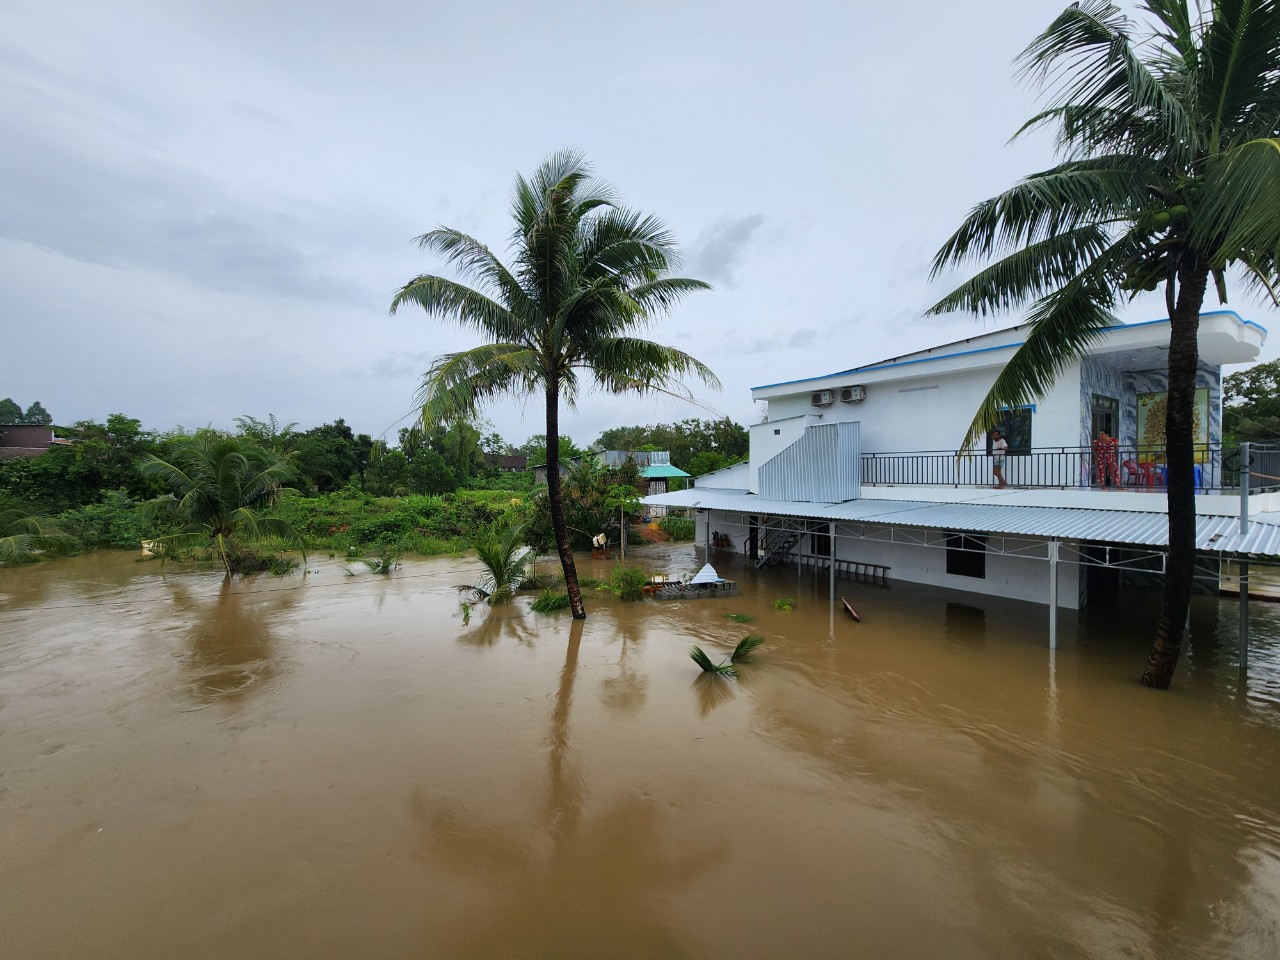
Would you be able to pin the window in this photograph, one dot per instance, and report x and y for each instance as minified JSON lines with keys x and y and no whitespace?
{"x":967,"y":555}
{"x":1015,"y":427}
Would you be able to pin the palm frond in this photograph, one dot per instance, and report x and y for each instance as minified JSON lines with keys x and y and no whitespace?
{"x":1076,"y":194}
{"x":457,"y":383}
{"x":451,"y":300}
{"x":703,"y":661}
{"x":621,"y":364}
{"x":746,"y":646}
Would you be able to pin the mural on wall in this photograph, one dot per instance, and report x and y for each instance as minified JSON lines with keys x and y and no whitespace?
{"x":1151,"y":417}
{"x":1099,"y":376}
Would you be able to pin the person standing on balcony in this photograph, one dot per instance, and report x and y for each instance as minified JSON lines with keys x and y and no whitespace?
{"x":999,"y":447}
{"x":1104,"y":455}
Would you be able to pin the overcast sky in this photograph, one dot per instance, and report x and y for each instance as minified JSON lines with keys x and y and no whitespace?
{"x":205,"y":207}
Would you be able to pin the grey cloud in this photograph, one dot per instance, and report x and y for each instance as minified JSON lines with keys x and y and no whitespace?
{"x":138,"y":212}
{"x":717,"y":252}
{"x":799,"y":339}
{"x":396,"y":366}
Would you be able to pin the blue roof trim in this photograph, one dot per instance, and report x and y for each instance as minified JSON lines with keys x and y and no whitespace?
{"x":1008,"y":346}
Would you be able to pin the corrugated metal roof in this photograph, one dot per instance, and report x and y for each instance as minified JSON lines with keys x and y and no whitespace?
{"x":1213,"y":534}
{"x":657,"y":470}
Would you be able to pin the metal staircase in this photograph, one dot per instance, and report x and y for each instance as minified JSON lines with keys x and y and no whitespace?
{"x":778,"y":543}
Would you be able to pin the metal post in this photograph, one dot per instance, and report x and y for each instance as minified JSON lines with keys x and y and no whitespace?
{"x":832,"y":536}
{"x":1053,"y":594}
{"x":1243,"y":626}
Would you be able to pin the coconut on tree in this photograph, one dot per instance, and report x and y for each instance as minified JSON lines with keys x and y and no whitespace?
{"x":586,"y":275}
{"x":1170,"y":175}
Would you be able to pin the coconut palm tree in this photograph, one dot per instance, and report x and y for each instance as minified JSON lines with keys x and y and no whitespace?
{"x":586,"y":275}
{"x":25,"y":536}
{"x":1170,"y":174}
{"x":506,"y":560}
{"x":219,"y":489}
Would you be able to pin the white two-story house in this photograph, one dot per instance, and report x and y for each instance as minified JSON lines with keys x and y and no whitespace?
{"x":863,"y":469}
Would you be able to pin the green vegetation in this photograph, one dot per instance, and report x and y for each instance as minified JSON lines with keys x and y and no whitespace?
{"x":740,"y":617}
{"x":1251,"y":408}
{"x":784,"y":603}
{"x":743,"y":651}
{"x":1171,"y":174}
{"x":506,"y":560}
{"x":723,"y":669}
{"x":627,"y":582}
{"x":25,"y":537}
{"x":387,"y":560}
{"x":549,"y":601}
{"x":220,"y":490}
{"x":586,"y":275}
{"x":678,"y":528}
{"x":696,"y":446}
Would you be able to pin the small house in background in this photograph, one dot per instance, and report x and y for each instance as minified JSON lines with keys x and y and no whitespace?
{"x":18,"y":440}
{"x":504,"y":463}
{"x":657,"y":474}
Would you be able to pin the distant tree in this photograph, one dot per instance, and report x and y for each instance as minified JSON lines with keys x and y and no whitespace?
{"x":269,"y":433}
{"x":10,"y":412}
{"x":388,"y":473}
{"x":682,"y":440}
{"x":1252,"y":403}
{"x":428,"y":473}
{"x":459,"y":444}
{"x":219,"y":490}
{"x":37,"y":414}
{"x":329,"y":456}
{"x":535,"y":448}
{"x":706,"y":462}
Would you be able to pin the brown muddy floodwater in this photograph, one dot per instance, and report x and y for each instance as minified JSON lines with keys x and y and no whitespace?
{"x":330,"y":767}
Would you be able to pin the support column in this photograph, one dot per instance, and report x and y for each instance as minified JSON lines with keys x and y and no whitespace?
{"x":1243,"y":572}
{"x":1053,"y":594}
{"x":831,"y":535}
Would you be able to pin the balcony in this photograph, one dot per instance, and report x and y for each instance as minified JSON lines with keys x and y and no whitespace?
{"x":1139,"y":469}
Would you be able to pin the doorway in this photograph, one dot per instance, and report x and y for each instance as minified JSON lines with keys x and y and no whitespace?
{"x":1104,"y":415}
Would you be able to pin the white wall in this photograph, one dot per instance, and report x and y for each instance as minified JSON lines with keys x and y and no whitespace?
{"x":928,"y":412}
{"x":770,"y":439}
{"x":1017,"y":578}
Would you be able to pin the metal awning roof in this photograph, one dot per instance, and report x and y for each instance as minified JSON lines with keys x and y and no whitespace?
{"x":659,"y":470}
{"x":1214,"y":534}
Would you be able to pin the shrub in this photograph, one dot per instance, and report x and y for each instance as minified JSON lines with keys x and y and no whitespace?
{"x":678,"y":528}
{"x":627,"y":582}
{"x":550,"y":601}
{"x":786,"y":603}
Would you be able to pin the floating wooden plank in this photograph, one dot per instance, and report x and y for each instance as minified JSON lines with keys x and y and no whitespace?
{"x":849,"y":610}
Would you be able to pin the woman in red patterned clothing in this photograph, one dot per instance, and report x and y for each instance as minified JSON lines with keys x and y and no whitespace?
{"x":1104,"y":455}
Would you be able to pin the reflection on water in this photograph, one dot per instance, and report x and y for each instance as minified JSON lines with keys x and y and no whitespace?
{"x":231,"y":649}
{"x":371,"y":777}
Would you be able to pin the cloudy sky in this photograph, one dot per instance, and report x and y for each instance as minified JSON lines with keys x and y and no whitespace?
{"x":206,"y":207}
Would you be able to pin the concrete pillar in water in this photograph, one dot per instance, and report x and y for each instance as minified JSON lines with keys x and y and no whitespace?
{"x":1053,"y":594}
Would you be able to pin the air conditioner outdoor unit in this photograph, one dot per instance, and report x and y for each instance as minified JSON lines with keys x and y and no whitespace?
{"x":821,"y":398}
{"x":853,"y":394}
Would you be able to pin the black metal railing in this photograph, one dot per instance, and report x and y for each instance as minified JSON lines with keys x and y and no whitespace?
{"x":1132,"y":468}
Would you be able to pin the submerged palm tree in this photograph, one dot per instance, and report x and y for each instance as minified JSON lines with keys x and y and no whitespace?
{"x":506,"y":560}
{"x":219,"y":490}
{"x":24,"y":536}
{"x":1170,"y":174}
{"x":586,"y":274}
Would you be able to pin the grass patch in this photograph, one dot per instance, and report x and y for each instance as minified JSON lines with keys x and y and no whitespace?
{"x":784,"y":604}
{"x":740,"y":617}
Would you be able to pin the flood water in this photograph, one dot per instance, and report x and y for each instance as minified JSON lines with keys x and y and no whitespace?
{"x":333,"y":767}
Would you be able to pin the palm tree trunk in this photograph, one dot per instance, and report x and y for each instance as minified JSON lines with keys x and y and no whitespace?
{"x":1181,"y":492}
{"x":559,"y":528}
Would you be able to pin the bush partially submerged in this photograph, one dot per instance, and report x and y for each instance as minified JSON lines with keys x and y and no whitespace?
{"x":549,"y":601}
{"x":627,"y":582}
